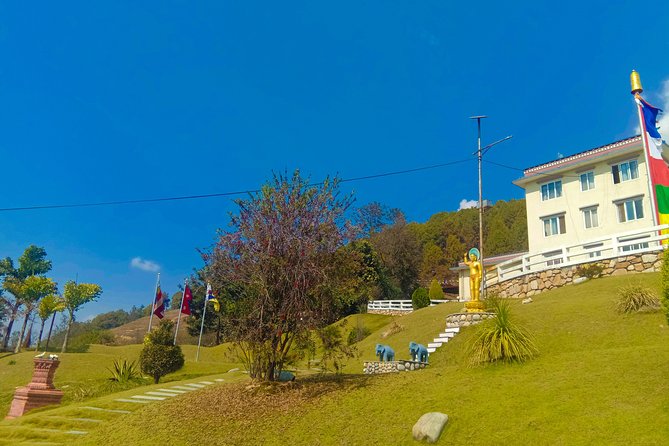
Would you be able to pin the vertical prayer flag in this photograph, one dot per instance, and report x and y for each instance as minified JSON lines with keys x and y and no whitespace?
{"x":159,"y":303}
{"x":657,"y":165}
{"x":185,"y":302}
{"x":211,"y":298}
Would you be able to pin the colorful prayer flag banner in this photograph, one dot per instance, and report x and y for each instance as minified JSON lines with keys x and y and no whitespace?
{"x":211,"y":298}
{"x":657,"y":168}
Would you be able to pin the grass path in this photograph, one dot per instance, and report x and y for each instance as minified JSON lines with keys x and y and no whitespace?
{"x":63,"y":424}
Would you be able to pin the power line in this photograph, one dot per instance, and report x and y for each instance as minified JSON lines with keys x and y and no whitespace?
{"x":221,"y":194}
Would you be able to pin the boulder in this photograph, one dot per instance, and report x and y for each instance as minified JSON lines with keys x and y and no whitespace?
{"x":429,"y":426}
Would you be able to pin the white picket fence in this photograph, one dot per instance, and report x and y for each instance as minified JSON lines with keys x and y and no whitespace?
{"x":397,"y":305}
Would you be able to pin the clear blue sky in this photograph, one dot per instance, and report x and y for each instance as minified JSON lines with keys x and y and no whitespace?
{"x":123,"y":100}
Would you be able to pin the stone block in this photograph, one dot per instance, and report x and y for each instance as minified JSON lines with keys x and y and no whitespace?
{"x":429,"y":426}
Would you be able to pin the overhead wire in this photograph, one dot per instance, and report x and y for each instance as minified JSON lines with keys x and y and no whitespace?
{"x":220,"y":194}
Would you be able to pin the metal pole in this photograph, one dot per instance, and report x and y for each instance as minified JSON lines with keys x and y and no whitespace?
{"x":180,"y":307}
{"x":204,"y":313}
{"x":479,"y":155}
{"x":153,"y":302}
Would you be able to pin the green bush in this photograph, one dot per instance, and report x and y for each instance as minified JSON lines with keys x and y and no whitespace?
{"x":436,"y":292}
{"x":420,"y":298}
{"x":125,"y":371}
{"x":590,"y":270}
{"x":358,"y":333}
{"x":158,"y":356}
{"x":635,"y":297}
{"x":500,"y":339}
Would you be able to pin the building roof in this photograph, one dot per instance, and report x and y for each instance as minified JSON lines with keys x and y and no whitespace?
{"x":624,"y":145}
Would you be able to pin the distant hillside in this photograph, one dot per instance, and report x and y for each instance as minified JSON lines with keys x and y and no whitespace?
{"x":133,"y":332}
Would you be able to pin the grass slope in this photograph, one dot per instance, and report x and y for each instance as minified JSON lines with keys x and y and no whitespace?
{"x":600,"y":378}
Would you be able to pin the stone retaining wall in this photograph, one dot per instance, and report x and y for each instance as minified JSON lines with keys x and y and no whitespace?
{"x":466,"y":319}
{"x":535,"y":283}
{"x":375,"y":367}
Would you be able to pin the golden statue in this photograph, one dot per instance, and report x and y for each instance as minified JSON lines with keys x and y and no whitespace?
{"x":471,"y":259}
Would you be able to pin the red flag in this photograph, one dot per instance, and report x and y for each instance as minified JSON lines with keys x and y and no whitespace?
{"x":159,"y":304}
{"x":185,"y":304}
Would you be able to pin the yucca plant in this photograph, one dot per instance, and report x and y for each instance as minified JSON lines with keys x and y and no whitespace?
{"x":123,"y":372}
{"x":501,"y":339}
{"x":636,"y":297}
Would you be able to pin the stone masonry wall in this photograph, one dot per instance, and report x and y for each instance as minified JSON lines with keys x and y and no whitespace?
{"x":374,"y":367}
{"x":535,"y":283}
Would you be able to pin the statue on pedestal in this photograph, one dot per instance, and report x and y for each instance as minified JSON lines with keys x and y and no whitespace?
{"x":471,"y":259}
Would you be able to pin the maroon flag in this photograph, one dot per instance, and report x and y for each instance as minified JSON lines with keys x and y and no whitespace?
{"x":159,"y":304}
{"x":185,"y":304}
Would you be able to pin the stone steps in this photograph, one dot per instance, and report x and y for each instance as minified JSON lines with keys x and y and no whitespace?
{"x":442,"y":339}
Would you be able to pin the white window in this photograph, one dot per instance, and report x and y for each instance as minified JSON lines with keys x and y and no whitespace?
{"x":554,"y":258}
{"x":587,"y":181}
{"x":554,"y":225}
{"x":590,"y":217}
{"x":629,"y":170}
{"x":551,"y":190}
{"x":634,"y":246}
{"x":593,"y":250}
{"x":629,"y":210}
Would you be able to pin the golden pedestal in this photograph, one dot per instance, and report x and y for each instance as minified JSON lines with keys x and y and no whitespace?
{"x":475,"y":306}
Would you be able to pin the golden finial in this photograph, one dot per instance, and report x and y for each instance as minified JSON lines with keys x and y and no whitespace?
{"x":635,"y":80}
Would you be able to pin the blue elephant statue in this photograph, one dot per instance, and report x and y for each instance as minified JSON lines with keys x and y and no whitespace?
{"x":418,"y":352}
{"x":385,"y":353}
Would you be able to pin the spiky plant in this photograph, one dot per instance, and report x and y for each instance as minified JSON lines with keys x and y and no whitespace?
{"x":501,"y":339}
{"x":123,"y":372}
{"x":635,"y":297}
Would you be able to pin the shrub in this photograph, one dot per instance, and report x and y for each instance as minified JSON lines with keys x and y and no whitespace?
{"x":158,"y":356}
{"x":420,"y":298}
{"x":500,"y":339}
{"x":125,"y":371}
{"x":334,"y":350}
{"x":635,"y":297}
{"x":436,"y":292}
{"x":358,"y":333}
{"x":590,"y":270}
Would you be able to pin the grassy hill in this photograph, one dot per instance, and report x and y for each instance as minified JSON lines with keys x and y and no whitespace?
{"x":133,"y":332}
{"x":601,"y":378}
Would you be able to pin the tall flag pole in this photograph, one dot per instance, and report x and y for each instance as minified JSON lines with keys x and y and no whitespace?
{"x":185,"y":307}
{"x":658,"y":172}
{"x":156,"y":303}
{"x":204,"y":313}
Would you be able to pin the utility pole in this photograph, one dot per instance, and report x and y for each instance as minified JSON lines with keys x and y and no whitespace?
{"x":479,"y":153}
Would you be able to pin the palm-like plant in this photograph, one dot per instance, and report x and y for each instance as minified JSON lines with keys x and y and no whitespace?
{"x":74,"y":296}
{"x":501,"y":339}
{"x":29,"y":291}
{"x":48,"y":306}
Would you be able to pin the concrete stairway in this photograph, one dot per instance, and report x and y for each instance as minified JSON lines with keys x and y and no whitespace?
{"x":442,"y":339}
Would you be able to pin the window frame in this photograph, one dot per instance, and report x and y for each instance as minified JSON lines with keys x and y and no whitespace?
{"x":560,"y":224}
{"x":589,"y":175}
{"x":617,"y":171}
{"x":557,"y":189}
{"x":588,"y":210}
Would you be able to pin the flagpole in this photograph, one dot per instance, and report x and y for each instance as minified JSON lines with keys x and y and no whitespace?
{"x":153,"y":302}
{"x":637,"y":89}
{"x":180,"y":308}
{"x":204,"y":313}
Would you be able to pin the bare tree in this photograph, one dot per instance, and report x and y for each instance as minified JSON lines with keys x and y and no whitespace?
{"x":283,"y":256}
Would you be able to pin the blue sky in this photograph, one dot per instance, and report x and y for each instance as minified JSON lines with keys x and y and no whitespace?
{"x":125,"y":100}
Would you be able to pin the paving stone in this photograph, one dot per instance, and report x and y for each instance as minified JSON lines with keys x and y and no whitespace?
{"x":105,"y":410}
{"x":147,"y":397}
{"x":125,"y":400}
{"x":161,"y":394}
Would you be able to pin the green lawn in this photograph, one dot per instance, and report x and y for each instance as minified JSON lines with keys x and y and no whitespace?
{"x":601,"y":378}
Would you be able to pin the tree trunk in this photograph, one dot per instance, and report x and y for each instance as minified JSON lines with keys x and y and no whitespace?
{"x":8,"y":332}
{"x":21,"y":333}
{"x":29,"y":336}
{"x":48,"y":338}
{"x":218,"y":331}
{"x":39,"y":338}
{"x":67,"y":333}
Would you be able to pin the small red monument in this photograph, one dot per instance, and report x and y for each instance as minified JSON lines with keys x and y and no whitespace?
{"x":40,"y":392}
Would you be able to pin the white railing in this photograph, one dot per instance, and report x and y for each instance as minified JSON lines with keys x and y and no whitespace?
{"x":398,"y":305}
{"x":631,"y":242}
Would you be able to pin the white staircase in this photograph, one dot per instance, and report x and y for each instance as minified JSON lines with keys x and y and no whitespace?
{"x":442,"y":339}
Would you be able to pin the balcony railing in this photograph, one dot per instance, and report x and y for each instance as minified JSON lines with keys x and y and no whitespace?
{"x":632,"y":242}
